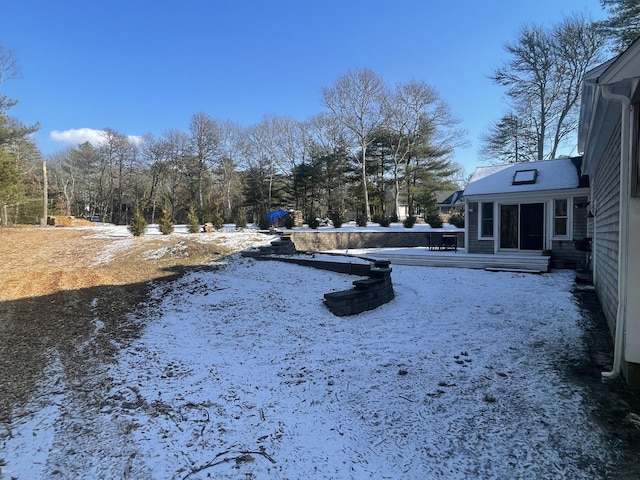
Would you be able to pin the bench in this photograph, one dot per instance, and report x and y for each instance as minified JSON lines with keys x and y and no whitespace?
{"x":447,"y":241}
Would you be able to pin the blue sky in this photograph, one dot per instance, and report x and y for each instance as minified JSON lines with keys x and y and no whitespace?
{"x":141,"y":66}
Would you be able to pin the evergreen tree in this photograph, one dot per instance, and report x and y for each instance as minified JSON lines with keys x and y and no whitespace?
{"x":11,"y":187}
{"x":432,"y":214}
{"x":193,"y":223}
{"x":623,"y":25}
{"x":166,"y":223}
{"x":138,"y":224}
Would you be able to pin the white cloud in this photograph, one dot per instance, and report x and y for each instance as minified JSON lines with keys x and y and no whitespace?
{"x":76,"y":136}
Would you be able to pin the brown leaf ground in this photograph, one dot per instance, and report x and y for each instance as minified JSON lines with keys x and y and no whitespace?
{"x":55,"y":283}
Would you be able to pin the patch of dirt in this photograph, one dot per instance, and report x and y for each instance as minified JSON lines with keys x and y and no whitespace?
{"x":62,"y":293}
{"x":613,"y":404}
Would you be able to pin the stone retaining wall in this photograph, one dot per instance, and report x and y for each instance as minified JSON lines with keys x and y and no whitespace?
{"x":367,"y":294}
{"x":318,"y":240}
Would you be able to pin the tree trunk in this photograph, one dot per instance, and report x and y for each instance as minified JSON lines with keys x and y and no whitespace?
{"x":45,"y":195}
{"x":364,"y":186}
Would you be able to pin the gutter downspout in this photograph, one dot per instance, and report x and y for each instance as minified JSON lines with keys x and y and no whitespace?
{"x":622,"y":230}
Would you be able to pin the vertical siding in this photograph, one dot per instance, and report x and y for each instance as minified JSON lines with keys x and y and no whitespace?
{"x":605,"y":187}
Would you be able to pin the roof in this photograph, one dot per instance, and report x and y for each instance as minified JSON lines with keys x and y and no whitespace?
{"x":599,"y":115}
{"x":449,"y":197}
{"x":558,"y":174}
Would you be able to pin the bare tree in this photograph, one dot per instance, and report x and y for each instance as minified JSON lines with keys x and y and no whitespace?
{"x":266,"y":151}
{"x":205,"y":139}
{"x":118,"y":155}
{"x":64,"y":173}
{"x":543,"y":75}
{"x":230,"y":155}
{"x":8,"y":65}
{"x":176,"y":148}
{"x":412,"y":106}
{"x":357,"y":101}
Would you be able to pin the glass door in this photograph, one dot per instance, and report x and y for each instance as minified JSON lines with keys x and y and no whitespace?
{"x":509,"y":226}
{"x":531,"y":226}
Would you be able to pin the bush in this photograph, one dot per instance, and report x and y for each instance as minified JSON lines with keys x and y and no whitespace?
{"x":457,"y":220}
{"x":382,"y":221}
{"x":217,"y":220}
{"x":393,"y":218}
{"x":313,"y":222}
{"x":165,"y":223}
{"x":434,"y":220}
{"x":193,"y":223}
{"x":263,"y":222}
{"x":361,"y":220}
{"x":409,"y":222}
{"x":289,"y":223}
{"x":240,"y":219}
{"x":138,"y":223}
{"x":337,"y":219}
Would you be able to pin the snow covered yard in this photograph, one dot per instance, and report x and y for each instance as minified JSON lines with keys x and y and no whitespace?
{"x":243,"y":373}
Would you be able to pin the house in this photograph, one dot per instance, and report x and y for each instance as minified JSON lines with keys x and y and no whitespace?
{"x":609,"y":138}
{"x":528,"y":208}
{"x":449,"y":201}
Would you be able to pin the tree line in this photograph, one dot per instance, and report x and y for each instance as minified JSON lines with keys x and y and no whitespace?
{"x":373,"y":149}
{"x":396,"y":150}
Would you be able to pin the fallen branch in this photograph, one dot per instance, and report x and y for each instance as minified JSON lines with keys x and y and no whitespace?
{"x":240,"y":456}
{"x":406,"y":398}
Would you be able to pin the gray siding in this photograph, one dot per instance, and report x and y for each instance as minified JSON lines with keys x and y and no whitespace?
{"x":605,"y":194}
{"x":475,"y":245}
{"x":565,"y":250}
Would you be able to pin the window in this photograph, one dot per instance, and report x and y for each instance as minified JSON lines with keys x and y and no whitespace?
{"x":560,"y":217}
{"x":486,"y":220}
{"x":522,"y":177}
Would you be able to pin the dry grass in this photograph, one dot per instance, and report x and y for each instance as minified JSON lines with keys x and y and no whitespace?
{"x":55,"y":283}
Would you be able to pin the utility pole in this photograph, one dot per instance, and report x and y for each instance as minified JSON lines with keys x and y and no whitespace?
{"x":45,"y":195}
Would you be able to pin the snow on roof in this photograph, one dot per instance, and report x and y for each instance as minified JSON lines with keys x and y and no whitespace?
{"x":556,"y":174}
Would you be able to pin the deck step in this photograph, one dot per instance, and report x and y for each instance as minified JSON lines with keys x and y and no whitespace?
{"x":515,"y":270}
{"x":533,"y":263}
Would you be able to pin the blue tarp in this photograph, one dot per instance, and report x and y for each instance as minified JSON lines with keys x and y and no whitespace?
{"x":275,"y":215}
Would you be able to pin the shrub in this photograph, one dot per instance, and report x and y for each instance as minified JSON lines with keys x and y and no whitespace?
{"x":337,"y":219}
{"x":382,"y":221}
{"x":393,"y":218}
{"x":361,"y":220}
{"x":240,"y":219}
{"x":433,"y":219}
{"x":165,"y":223}
{"x":193,"y":223}
{"x":289,"y":223}
{"x":217,"y":220}
{"x":313,"y":222}
{"x":457,"y":219}
{"x":263,"y":222}
{"x":409,"y":222}
{"x":138,"y":223}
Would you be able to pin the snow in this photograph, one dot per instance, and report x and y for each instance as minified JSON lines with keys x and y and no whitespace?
{"x":242,"y":372}
{"x":552,"y":175}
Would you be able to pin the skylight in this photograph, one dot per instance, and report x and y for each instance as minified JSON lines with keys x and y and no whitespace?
{"x":523,"y":177}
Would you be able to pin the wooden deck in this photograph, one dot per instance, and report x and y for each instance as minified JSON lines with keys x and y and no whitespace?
{"x":420,"y":256}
